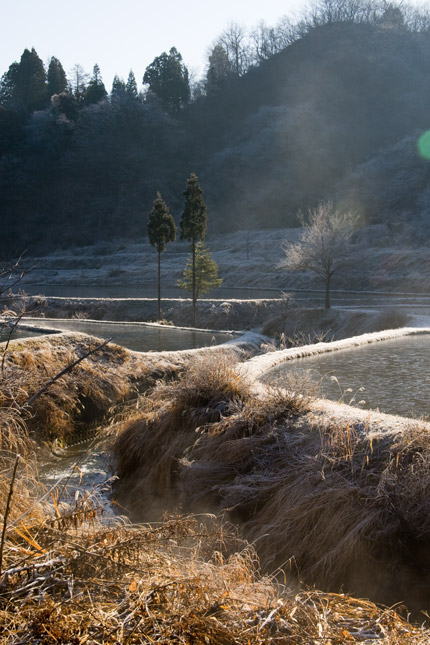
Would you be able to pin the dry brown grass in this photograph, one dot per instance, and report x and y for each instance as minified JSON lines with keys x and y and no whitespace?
{"x":170,"y":583}
{"x":334,"y":504}
{"x":79,"y":399}
{"x":67,"y":578}
{"x":166,"y":426}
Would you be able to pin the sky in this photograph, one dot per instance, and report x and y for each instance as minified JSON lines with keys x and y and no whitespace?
{"x":120,"y":35}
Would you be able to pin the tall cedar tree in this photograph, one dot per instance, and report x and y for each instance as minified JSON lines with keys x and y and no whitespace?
{"x":30,"y":91}
{"x":57,"y":80}
{"x":161,"y":231}
{"x":193,"y":226}
{"x":206,"y":272}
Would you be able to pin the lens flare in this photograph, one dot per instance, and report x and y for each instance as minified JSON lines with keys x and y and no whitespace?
{"x":424,"y":145}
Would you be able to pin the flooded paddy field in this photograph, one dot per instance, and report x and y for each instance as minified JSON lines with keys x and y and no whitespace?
{"x":392,"y":376}
{"x":138,"y":337}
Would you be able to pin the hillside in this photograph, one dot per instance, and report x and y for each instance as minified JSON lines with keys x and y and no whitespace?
{"x":335,"y":114}
{"x":343,"y":105}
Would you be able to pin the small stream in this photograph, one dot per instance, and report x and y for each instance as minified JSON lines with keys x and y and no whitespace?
{"x":84,"y":468}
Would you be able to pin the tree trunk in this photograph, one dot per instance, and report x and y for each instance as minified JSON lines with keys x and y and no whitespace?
{"x":194,"y":282}
{"x":159,"y":286}
{"x":327,"y":292}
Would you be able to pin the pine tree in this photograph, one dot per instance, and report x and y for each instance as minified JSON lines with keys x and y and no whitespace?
{"x":193,"y":226}
{"x":7,"y":86}
{"x":57,"y":81}
{"x":95,"y":90}
{"x":219,"y":70}
{"x":206,"y":272}
{"x":131,"y":86}
{"x":161,"y":231}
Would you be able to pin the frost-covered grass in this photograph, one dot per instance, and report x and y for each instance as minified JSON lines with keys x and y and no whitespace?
{"x":330,"y":504}
{"x":246,"y":258}
{"x":336,"y":503}
{"x":256,"y":366}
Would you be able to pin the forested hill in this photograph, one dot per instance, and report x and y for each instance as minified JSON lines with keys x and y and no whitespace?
{"x":338,"y":113}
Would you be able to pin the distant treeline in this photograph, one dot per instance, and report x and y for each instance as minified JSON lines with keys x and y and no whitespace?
{"x":330,"y":106}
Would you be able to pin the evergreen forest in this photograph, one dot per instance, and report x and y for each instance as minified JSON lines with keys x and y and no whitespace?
{"x":335,"y":105}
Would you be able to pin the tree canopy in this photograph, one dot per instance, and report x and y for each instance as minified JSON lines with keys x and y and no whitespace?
{"x":193,"y":221}
{"x":95,"y":90}
{"x":57,"y":79}
{"x":161,"y":225}
{"x":168,"y":78}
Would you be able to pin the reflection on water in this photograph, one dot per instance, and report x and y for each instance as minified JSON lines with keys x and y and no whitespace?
{"x":395,"y":375}
{"x":5,"y":333}
{"x":140,"y":337}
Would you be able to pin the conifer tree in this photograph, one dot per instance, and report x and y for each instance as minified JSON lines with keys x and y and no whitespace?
{"x":131,"y":86}
{"x":206,"y":272}
{"x":57,"y":81}
{"x":7,"y":86}
{"x":95,"y":90}
{"x":118,"y":91}
{"x":161,"y":231}
{"x":30,"y":88}
{"x":168,"y":78}
{"x":193,"y":226}
{"x":219,"y":70}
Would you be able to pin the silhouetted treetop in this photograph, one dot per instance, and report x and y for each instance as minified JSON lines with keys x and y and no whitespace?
{"x":95,"y":90}
{"x":168,"y":78}
{"x":57,"y":79}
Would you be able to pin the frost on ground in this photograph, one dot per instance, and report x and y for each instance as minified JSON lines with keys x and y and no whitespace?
{"x":245,"y":259}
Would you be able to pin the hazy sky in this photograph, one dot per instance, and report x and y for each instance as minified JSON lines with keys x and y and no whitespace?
{"x":124,"y":34}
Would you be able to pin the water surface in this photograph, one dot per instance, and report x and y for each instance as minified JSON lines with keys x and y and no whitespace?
{"x":392,"y":376}
{"x":141,"y":338}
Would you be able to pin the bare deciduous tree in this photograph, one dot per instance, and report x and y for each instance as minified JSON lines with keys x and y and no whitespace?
{"x":324,"y":244}
{"x":234,"y":40}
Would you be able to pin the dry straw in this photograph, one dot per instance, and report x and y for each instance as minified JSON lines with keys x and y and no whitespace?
{"x":343,"y":507}
{"x":205,"y":440}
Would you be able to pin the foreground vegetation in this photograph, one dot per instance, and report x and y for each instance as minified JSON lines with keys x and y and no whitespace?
{"x":337,"y":505}
{"x":317,"y":502}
